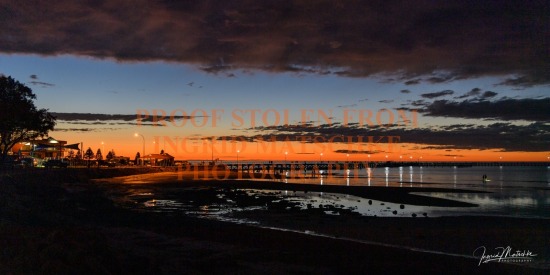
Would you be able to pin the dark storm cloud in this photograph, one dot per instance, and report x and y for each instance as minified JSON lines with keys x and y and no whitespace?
{"x":534,"y":137}
{"x":356,"y":152}
{"x":473,"y":92}
{"x":347,"y":106}
{"x":92,"y":117}
{"x":432,"y":41}
{"x":85,"y":129}
{"x":418,"y":103}
{"x":75,"y":129}
{"x":405,"y":91}
{"x":440,"y":79}
{"x":488,"y":94}
{"x":40,"y":83}
{"x":412,"y":82}
{"x":505,"y":109}
{"x":527,"y":80}
{"x":35,"y":82}
{"x":114,"y":119}
{"x":437,"y":94}
{"x":476,"y":93}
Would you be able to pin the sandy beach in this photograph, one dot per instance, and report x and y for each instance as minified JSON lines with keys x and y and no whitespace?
{"x":61,"y":221}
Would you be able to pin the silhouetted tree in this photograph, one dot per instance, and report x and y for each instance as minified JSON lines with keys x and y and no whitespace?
{"x":109,"y":156}
{"x":71,"y":157}
{"x":77,"y":158}
{"x":20,"y":120}
{"x":89,"y":155}
{"x":99,"y":157}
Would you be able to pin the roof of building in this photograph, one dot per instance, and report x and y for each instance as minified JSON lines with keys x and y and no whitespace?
{"x":158,"y":156}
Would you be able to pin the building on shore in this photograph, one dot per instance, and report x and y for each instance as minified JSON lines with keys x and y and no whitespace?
{"x":163,"y":159}
{"x":49,"y":148}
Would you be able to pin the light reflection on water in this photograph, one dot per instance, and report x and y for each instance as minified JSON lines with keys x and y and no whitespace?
{"x":512,"y":191}
{"x":488,"y":204}
{"x":534,"y":176}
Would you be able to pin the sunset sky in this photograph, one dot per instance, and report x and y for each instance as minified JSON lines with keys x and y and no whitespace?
{"x":295,"y":80}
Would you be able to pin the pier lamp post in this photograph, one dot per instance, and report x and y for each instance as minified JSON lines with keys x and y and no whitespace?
{"x":143,"y":138}
{"x":286,"y":153}
{"x":321,"y":157}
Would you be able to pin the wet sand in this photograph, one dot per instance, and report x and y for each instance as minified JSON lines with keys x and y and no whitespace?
{"x":64,"y":224}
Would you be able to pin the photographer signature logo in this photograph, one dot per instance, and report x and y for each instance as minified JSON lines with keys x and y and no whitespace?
{"x":503,"y":254}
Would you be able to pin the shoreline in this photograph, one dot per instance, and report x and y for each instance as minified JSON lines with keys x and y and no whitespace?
{"x":41,"y":221}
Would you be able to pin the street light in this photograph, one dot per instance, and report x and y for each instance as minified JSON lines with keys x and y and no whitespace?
{"x":103,"y":147}
{"x":136,"y":135}
{"x":321,"y":158}
{"x":286,"y":153}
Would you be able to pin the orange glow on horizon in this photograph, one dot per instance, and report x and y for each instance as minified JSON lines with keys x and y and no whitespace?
{"x":127,"y":144}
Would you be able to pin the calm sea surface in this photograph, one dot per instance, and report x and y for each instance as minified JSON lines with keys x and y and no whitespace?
{"x":512,"y":191}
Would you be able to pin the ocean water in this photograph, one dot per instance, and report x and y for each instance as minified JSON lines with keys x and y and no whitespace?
{"x":519,"y":192}
{"x":511,"y":191}
{"x":515,"y":191}
{"x":447,"y":177}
